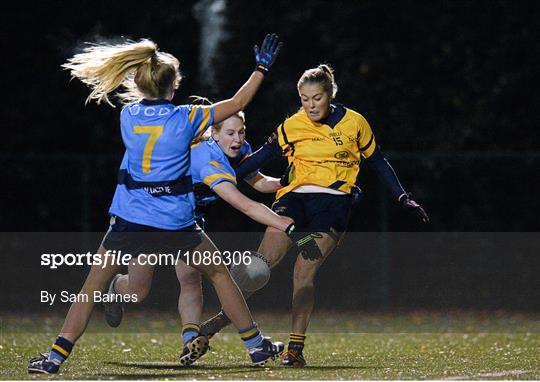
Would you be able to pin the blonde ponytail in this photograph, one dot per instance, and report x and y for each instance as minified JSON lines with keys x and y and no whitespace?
{"x":138,"y":67}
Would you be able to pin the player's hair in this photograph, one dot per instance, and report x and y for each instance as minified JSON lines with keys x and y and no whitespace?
{"x":198,"y":100}
{"x":323,"y":75}
{"x":240,"y":115}
{"x":138,"y":67}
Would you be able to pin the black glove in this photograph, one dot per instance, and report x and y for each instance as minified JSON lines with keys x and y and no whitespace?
{"x":410,"y":205}
{"x":266,"y":56}
{"x":305,"y":243}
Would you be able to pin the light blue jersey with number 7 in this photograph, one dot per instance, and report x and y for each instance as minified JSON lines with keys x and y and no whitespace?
{"x":154,"y":181}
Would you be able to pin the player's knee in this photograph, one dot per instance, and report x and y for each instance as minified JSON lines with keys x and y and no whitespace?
{"x":215,"y":272}
{"x":191,"y":279}
{"x":273,"y":256}
{"x":304,"y":276}
{"x":141,"y":291}
{"x":274,"y":246}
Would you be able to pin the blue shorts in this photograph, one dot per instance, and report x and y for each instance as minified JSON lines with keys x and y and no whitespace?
{"x":136,"y":238}
{"x":315,"y":212}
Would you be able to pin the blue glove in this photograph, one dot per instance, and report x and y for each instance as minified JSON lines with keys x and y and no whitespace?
{"x":266,"y":56}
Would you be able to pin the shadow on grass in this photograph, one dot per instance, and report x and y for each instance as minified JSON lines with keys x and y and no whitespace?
{"x":229,"y":369}
{"x":176,"y":366}
{"x":187,"y":371}
{"x":137,"y":377}
{"x":333,"y":367}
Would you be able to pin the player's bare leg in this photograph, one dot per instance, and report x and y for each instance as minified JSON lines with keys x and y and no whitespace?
{"x":137,"y":282}
{"x":79,"y":313}
{"x":303,"y":300}
{"x":260,"y":349}
{"x":304,"y":285}
{"x":190,"y":305}
{"x":190,"y":301}
{"x":273,"y":247}
{"x":228,"y":293}
{"x":76,"y":320}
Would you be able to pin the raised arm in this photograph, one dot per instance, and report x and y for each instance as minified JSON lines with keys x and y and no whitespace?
{"x":264,"y":58}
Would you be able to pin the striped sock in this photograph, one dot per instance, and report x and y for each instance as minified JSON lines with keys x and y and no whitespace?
{"x":296,"y":340}
{"x":60,"y":350}
{"x":251,"y":336}
{"x":189,"y":332}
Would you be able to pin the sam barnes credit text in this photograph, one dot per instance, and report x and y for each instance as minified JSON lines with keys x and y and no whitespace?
{"x":97,"y":296}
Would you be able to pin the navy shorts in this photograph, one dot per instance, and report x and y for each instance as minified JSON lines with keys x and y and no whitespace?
{"x":315,"y":212}
{"x":136,"y":238}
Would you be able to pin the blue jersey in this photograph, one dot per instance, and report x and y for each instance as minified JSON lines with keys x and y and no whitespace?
{"x":157,"y":136}
{"x":211,"y":166}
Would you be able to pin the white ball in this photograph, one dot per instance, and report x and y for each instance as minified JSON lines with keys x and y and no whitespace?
{"x":253,"y":276}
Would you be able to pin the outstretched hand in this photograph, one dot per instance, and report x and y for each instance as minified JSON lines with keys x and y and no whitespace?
{"x":411,"y":205}
{"x":267,"y":54}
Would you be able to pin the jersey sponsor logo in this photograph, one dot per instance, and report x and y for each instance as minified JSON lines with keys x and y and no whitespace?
{"x":341,"y":155}
{"x":347,"y":164}
{"x":159,"y":190}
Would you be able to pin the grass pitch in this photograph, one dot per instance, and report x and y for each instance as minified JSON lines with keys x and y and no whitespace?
{"x":339,"y":346}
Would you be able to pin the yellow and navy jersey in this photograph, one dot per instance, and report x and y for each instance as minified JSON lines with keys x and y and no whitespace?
{"x":325,"y":153}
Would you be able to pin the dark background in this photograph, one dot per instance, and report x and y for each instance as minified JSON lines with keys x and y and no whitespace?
{"x":449,"y":88}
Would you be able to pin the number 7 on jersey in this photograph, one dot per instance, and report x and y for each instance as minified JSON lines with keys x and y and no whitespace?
{"x":155,"y":132}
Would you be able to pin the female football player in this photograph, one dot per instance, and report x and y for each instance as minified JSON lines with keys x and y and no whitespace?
{"x":213,"y":159}
{"x":213,"y":163}
{"x":324,"y":144}
{"x":154,"y":193}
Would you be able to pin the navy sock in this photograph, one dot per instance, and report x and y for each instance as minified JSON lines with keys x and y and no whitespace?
{"x":60,"y":350}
